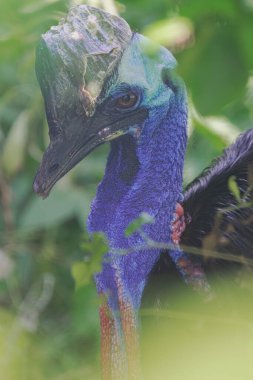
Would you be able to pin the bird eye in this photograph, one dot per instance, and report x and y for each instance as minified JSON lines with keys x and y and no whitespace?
{"x":127,"y":101}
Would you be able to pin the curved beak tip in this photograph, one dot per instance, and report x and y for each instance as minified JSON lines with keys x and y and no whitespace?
{"x":36,"y":187}
{"x":39,"y":188}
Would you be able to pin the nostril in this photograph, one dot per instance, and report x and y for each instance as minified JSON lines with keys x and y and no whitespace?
{"x":53,"y":168}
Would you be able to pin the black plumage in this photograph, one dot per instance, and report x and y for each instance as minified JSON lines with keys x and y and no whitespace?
{"x":219,"y":226}
{"x":217,"y":220}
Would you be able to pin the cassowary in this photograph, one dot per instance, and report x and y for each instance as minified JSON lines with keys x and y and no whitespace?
{"x":102,"y":82}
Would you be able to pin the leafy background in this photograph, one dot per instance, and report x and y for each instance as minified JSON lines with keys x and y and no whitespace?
{"x":48,"y":315}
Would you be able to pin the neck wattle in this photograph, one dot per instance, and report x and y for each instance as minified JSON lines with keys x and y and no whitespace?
{"x":121,"y":169}
{"x":142,"y":176}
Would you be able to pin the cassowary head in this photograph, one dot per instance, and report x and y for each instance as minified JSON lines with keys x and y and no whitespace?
{"x":99,"y":81}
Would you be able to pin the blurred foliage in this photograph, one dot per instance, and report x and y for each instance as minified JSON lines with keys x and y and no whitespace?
{"x":195,"y":340}
{"x":49,"y":326}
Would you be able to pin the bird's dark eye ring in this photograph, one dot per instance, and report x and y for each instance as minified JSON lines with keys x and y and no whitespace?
{"x":127,"y":101}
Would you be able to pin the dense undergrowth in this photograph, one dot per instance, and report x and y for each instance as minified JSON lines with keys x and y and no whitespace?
{"x":48,"y":323}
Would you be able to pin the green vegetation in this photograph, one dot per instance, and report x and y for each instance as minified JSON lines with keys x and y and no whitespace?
{"x":49,"y":326}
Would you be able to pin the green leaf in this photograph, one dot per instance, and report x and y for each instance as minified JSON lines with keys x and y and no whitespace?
{"x":81,"y":273}
{"x":97,"y":243}
{"x":94,"y":249}
{"x":214,"y":68}
{"x":176,"y":32}
{"x":56,"y":209}
{"x":233,"y":187}
{"x":215,"y":127}
{"x":15,"y":145}
{"x":144,"y":218}
{"x":85,"y":323}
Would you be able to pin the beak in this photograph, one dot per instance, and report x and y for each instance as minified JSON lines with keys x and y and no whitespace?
{"x":75,"y":138}
{"x":63,"y":153}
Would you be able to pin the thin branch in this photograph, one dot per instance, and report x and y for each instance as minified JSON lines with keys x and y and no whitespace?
{"x":187,"y":249}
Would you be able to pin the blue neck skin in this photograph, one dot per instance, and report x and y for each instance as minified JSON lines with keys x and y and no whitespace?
{"x":143,"y":175}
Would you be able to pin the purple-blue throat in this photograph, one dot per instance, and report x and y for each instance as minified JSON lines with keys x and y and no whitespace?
{"x":142,"y":175}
